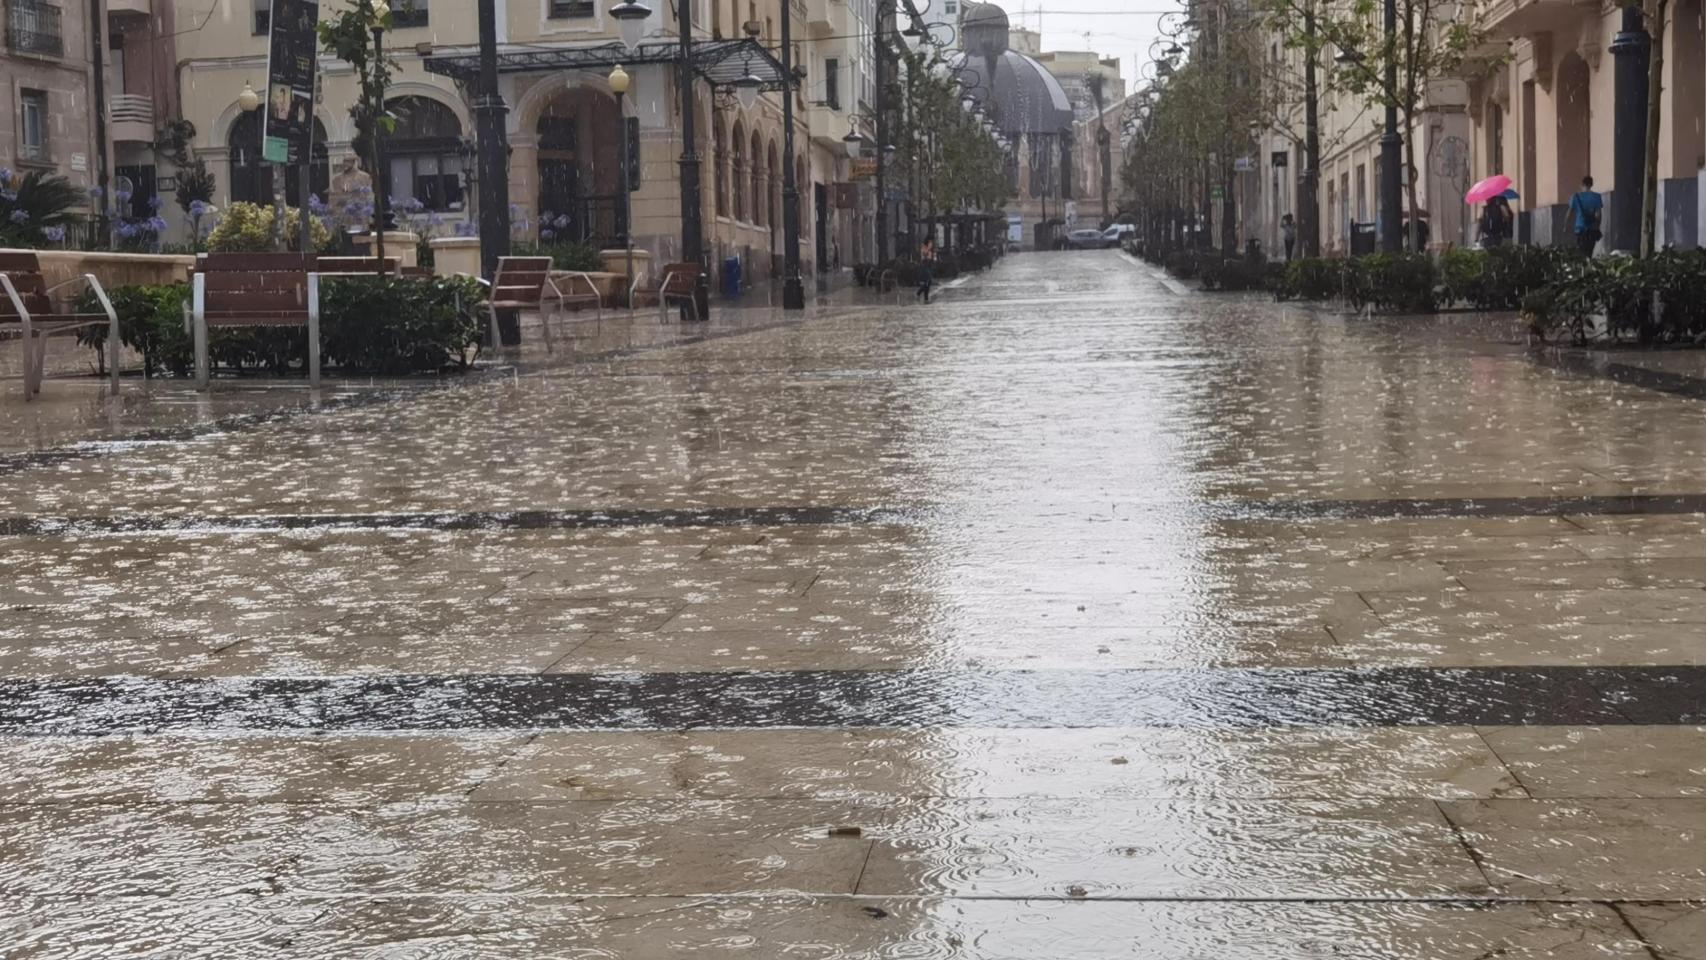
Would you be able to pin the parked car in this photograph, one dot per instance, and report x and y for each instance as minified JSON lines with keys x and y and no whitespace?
{"x":1083,"y":239}
{"x":1117,"y":234}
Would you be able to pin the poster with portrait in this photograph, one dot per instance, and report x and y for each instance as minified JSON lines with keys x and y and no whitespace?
{"x":291,"y":52}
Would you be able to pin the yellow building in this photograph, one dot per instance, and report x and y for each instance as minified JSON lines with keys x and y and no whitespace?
{"x":563,"y":124}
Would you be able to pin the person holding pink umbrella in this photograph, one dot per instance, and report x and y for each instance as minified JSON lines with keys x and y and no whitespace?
{"x":1496,"y":217}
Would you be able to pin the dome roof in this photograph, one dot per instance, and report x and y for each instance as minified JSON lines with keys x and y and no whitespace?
{"x":1028,"y":99}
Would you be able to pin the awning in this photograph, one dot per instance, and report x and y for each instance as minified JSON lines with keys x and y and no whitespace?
{"x":719,"y":62}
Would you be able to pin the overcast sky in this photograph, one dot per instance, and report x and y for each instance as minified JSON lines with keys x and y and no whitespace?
{"x":1116,"y":28}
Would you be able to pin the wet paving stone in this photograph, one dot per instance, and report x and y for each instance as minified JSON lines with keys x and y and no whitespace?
{"x":1077,"y":615}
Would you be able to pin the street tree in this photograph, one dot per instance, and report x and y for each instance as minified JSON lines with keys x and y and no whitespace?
{"x":1433,"y":40}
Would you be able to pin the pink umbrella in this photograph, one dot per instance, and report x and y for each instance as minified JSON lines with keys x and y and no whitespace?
{"x":1487,"y":189}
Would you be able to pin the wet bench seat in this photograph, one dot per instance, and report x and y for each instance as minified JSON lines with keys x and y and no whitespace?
{"x":254,"y":290}
{"x":28,"y":313}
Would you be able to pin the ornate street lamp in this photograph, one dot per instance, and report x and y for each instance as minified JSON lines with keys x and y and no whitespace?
{"x":619,"y":81}
{"x":381,"y":206}
{"x":630,"y":18}
{"x":854,"y":140}
{"x":250,"y":101}
{"x":746,"y":89}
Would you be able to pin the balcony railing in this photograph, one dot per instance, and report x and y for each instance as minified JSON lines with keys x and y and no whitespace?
{"x":131,"y":107}
{"x":33,"y":26}
{"x":131,"y":118}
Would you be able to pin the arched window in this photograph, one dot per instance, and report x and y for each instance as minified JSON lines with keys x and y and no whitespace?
{"x":423,"y":155}
{"x":737,"y":170}
{"x":775,"y":199}
{"x":720,"y":161}
{"x":760,"y":205}
{"x":251,"y":180}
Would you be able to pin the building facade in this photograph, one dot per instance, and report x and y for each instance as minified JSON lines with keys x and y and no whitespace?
{"x":48,"y":119}
{"x":564,"y":126}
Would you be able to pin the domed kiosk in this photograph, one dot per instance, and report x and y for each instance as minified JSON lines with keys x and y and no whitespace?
{"x":1029,"y":107}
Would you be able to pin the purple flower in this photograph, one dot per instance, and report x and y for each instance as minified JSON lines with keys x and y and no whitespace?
{"x":157,"y":224}
{"x":54,"y":234}
{"x":547,"y":234}
{"x":561,"y":223}
{"x":127,"y":230}
{"x":95,"y":192}
{"x":465,"y":228}
{"x":198,"y":208}
{"x":155,"y":203}
{"x":19,"y":216}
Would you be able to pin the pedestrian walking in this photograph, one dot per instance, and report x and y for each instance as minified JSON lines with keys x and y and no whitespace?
{"x":926,"y":260}
{"x":1288,"y":231}
{"x":1496,"y":219}
{"x":1586,"y":207}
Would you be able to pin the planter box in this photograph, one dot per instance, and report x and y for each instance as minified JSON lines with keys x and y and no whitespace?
{"x":616,"y":261}
{"x":454,"y":255}
{"x":115,"y":269}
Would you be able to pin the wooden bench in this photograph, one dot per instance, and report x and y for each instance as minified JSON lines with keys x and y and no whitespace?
{"x":522,"y":283}
{"x":354,"y":266}
{"x":577,"y":289}
{"x":676,"y":285}
{"x":27,"y":313}
{"x":254,"y":290}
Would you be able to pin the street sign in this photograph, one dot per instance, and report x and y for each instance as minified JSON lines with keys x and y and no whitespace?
{"x":291,"y":52}
{"x":1244,"y":164}
{"x":1216,"y":193}
{"x":864,"y":168}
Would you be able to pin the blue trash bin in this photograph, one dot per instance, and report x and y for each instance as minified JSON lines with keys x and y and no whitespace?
{"x":731,"y":278}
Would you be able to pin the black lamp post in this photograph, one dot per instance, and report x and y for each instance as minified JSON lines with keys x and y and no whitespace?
{"x":493,"y":179}
{"x":381,"y":207}
{"x":692,"y":226}
{"x":793,"y":289}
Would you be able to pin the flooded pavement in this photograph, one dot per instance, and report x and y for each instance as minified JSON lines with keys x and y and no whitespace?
{"x":1070,"y":616}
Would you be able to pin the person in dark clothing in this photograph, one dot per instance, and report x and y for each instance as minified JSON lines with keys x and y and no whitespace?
{"x":1585,"y":209}
{"x":1288,"y":232}
{"x":926,"y":260}
{"x":1496,"y":220}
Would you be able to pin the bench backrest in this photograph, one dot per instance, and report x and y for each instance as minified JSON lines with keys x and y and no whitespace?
{"x":24,"y":270}
{"x":357,"y":265}
{"x":679,"y":278}
{"x":520,"y":279}
{"x":255,"y":283}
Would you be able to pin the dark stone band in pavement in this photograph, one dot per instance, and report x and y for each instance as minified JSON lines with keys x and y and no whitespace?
{"x":1600,"y":364}
{"x":1299,"y":510}
{"x":1206,"y":698}
{"x":478,"y":520}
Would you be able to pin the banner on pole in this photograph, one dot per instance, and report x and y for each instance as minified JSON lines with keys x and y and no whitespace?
{"x":291,"y":53}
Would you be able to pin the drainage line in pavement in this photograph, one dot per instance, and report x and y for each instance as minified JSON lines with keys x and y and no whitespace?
{"x":1233,"y":698}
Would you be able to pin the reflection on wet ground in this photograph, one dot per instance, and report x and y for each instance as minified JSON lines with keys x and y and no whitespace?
{"x":1068,"y":617}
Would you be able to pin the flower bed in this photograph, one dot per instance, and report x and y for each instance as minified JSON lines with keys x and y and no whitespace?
{"x":367,"y":326}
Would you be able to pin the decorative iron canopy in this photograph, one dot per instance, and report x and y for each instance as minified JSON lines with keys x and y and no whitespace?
{"x":719,"y":62}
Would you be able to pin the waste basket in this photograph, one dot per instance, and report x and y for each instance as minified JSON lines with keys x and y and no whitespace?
{"x":1362,"y":238}
{"x":731,"y":278}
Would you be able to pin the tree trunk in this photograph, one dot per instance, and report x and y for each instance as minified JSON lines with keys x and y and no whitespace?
{"x":1414,"y":230}
{"x":1655,"y":73}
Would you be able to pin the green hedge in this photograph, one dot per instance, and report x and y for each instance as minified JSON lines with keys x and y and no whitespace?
{"x":1659,"y":299}
{"x":564,"y":256}
{"x":367,"y":326}
{"x":1496,"y":279}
